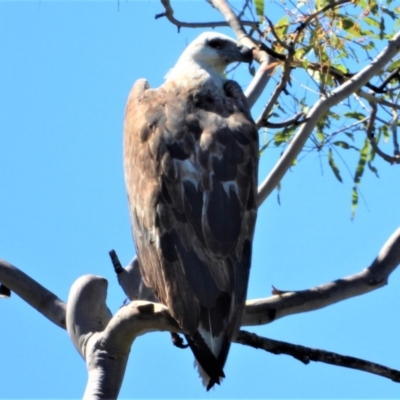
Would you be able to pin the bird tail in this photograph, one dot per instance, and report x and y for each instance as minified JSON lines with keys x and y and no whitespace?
{"x":210,"y":345}
{"x":209,"y":365}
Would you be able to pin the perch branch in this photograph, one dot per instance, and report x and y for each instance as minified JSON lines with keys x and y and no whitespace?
{"x":306,"y":354}
{"x":105,"y":341}
{"x":258,"y":311}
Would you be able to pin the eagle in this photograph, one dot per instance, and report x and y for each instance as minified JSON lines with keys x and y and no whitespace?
{"x":190,"y":162}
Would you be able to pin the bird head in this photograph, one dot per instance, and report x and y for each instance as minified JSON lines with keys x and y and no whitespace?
{"x":209,"y":54}
{"x":216,"y":50}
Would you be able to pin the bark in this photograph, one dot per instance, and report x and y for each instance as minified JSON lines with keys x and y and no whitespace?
{"x":104,"y":341}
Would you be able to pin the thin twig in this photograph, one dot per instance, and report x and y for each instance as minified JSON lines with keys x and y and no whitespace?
{"x":388,"y":79}
{"x":307,"y":21}
{"x":319,"y":109}
{"x":375,"y":99}
{"x":277,"y":92}
{"x":277,"y":38}
{"x":292,"y":121}
{"x":394,"y":126}
{"x":169,"y":14}
{"x":372,"y":139}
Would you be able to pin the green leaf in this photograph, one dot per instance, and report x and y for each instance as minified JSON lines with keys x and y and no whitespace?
{"x":341,"y":68}
{"x":354,"y":201}
{"x":355,"y":115}
{"x":334,"y":166}
{"x":372,"y":22}
{"x":349,"y":135}
{"x":373,"y":169}
{"x":347,"y":23}
{"x":386,"y":133}
{"x":361,"y":162}
{"x":389,"y":12}
{"x":394,"y":65}
{"x":344,"y":145}
{"x":259,"y":4}
{"x":373,"y":6}
{"x":382,"y":29}
{"x":282,"y":26}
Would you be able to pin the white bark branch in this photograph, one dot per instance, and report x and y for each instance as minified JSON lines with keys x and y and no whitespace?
{"x":319,"y":109}
{"x":264,"y":311}
{"x":41,"y":299}
{"x":104,"y":341}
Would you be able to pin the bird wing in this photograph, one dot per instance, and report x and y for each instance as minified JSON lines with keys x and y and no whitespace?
{"x":190,"y":159}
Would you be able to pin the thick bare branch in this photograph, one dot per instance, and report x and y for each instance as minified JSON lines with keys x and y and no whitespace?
{"x":306,"y":354}
{"x":319,"y":109}
{"x":41,"y":299}
{"x":87,"y":311}
{"x":259,"y":81}
{"x":263,"y":311}
{"x":105,"y":341}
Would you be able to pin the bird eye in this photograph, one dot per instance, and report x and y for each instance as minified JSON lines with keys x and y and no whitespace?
{"x":216,"y":44}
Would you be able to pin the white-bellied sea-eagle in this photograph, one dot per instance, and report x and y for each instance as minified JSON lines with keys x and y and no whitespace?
{"x":191,"y":159}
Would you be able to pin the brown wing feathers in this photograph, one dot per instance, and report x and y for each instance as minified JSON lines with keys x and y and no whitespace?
{"x":191,"y":167}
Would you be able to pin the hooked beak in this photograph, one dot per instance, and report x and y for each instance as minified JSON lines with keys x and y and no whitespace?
{"x":246,"y":54}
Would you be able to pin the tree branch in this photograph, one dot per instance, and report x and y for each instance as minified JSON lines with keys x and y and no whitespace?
{"x":263,"y":311}
{"x":308,"y":20}
{"x":319,"y":109}
{"x":104,"y":341}
{"x":169,"y":14}
{"x":372,"y":139}
{"x":37,"y":296}
{"x":306,"y":354}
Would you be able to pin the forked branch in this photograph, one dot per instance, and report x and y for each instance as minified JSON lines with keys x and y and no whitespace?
{"x":319,"y":109}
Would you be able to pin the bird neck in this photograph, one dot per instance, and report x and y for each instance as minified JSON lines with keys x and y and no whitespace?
{"x":190,"y":73}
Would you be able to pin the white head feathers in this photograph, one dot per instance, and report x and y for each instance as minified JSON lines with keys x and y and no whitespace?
{"x":207,"y":57}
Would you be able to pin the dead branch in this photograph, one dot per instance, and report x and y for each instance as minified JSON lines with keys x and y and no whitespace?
{"x":169,"y":14}
{"x":307,"y":354}
{"x":295,"y":120}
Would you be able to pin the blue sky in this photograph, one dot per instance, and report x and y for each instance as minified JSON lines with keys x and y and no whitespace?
{"x":65,"y":72}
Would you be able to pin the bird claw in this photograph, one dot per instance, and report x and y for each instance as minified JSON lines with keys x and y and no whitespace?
{"x":178,"y":341}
